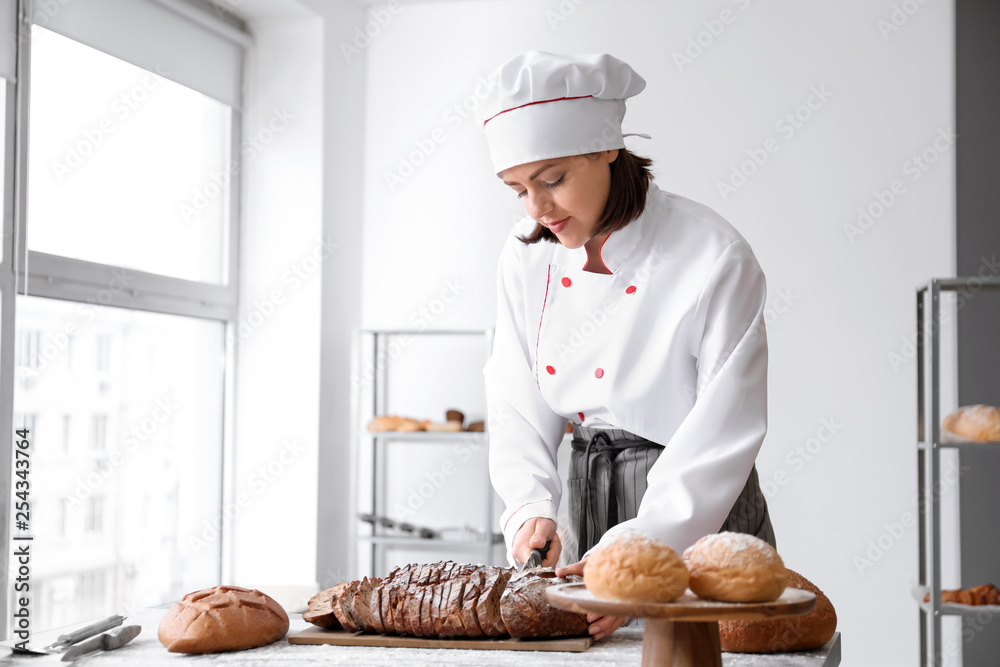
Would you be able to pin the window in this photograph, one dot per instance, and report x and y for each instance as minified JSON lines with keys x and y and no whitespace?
{"x":67,"y":432}
{"x":129,"y":237}
{"x":93,"y":519}
{"x":103,"y":356}
{"x":98,"y":432}
{"x":30,"y":342}
{"x":63,"y":516}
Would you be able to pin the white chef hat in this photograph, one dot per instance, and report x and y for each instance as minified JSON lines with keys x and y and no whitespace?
{"x":545,"y":105}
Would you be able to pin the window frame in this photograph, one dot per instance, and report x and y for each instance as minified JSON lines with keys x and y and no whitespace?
{"x":25,"y":272}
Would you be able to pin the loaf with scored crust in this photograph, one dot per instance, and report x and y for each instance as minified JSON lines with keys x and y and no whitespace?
{"x":779,"y":635}
{"x":222,"y":618}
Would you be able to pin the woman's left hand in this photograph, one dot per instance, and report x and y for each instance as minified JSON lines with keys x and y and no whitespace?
{"x":600,"y":626}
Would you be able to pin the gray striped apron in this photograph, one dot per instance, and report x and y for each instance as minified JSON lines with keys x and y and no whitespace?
{"x":607,"y":480}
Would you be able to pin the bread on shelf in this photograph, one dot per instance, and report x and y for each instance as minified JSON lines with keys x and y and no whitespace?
{"x":980,"y":423}
{"x":985,"y":594}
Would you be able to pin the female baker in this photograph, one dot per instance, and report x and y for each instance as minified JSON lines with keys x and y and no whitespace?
{"x":634,"y":313}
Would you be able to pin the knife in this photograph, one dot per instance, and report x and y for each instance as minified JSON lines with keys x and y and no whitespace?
{"x":64,"y":641}
{"x":535,"y":558}
{"x":108,"y":641}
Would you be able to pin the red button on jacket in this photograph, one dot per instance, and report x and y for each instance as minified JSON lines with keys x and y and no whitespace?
{"x":599,"y":373}
{"x":566,"y":282}
{"x":551,"y":370}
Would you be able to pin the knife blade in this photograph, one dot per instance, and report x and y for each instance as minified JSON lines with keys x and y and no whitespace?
{"x":108,"y":641}
{"x":535,"y":558}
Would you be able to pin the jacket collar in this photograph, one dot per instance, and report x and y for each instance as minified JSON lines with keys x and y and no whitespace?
{"x":617,"y":247}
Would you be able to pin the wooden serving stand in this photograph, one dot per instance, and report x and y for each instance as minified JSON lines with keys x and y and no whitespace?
{"x":685,"y":632}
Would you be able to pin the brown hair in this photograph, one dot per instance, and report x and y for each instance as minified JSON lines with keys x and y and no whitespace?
{"x":630,"y":177}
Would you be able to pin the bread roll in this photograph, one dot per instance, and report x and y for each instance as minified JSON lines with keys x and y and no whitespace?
{"x":791,"y":633}
{"x":222,"y":618}
{"x":455,"y":416}
{"x":735,"y":567}
{"x":381,"y":423}
{"x":449,"y":426}
{"x":985,"y":594}
{"x":975,"y":422}
{"x":407,"y":424}
{"x":636,"y":568}
{"x":477,"y":427}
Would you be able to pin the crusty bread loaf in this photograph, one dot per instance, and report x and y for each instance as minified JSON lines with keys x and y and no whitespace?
{"x":635,"y":567}
{"x":735,"y":567}
{"x":526,"y":611}
{"x":222,"y":618}
{"x":448,"y":599}
{"x":793,"y":633}
{"x":985,"y":594}
{"x":455,"y":416}
{"x":975,"y":422}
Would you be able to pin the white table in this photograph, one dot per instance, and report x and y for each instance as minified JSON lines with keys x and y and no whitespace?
{"x":624,"y":647}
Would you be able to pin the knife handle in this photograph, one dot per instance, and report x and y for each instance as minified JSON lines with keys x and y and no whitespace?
{"x":95,"y":628}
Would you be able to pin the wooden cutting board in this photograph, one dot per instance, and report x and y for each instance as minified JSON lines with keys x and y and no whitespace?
{"x":341,"y":637}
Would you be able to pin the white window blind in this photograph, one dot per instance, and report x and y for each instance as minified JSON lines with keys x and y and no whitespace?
{"x":170,"y":37}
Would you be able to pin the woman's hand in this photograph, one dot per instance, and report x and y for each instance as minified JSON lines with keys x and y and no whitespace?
{"x":533,"y":534}
{"x":600,"y":626}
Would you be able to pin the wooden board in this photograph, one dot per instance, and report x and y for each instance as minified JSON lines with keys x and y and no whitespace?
{"x":341,"y":637}
{"x":688,"y":607}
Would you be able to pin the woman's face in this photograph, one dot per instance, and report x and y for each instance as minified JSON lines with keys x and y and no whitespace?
{"x":566,"y":194}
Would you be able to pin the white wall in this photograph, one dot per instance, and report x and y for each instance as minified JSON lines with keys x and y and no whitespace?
{"x":840,"y":306}
{"x":272,"y":504}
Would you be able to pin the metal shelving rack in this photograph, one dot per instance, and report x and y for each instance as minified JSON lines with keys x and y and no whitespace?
{"x":929,"y":466}
{"x":381,"y":340}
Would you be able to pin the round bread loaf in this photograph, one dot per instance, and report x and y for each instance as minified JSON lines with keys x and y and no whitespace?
{"x":636,"y":568}
{"x":222,"y":618}
{"x":735,"y":567}
{"x":975,"y":422}
{"x":793,"y":633}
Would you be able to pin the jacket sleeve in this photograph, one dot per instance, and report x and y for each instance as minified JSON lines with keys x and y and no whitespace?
{"x":705,"y":465}
{"x":524,"y":432}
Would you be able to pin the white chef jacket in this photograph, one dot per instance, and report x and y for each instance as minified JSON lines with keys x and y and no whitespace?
{"x":680,"y":360}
